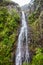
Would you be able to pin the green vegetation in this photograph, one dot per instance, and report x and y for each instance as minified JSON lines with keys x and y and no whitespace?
{"x":37,"y":59}
{"x":32,"y":17}
{"x":9,"y":23}
{"x":36,"y":23}
{"x":25,"y":63}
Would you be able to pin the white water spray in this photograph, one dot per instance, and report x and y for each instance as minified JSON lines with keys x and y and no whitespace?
{"x":22,"y":47}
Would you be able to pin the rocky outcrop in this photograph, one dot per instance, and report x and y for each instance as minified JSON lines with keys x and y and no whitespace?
{"x":35,"y":21}
{"x":10,"y":5}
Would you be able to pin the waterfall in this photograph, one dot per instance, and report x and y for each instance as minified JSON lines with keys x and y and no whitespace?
{"x":22,"y":53}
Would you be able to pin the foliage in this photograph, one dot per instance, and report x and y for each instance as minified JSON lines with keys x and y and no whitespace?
{"x":38,"y":58}
{"x":33,"y":17}
{"x":25,"y":63}
{"x":35,"y":20}
{"x":9,"y":23}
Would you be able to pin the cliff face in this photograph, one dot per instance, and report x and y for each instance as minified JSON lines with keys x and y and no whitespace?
{"x":10,"y":5}
{"x":9,"y":24}
{"x":35,"y":20}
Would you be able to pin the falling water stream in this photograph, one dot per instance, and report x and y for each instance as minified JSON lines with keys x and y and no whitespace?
{"x":22,"y":53}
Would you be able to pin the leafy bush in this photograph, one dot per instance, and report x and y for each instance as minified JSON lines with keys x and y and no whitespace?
{"x":25,"y":63}
{"x":9,"y":23}
{"x":33,"y":17}
{"x":38,"y":58}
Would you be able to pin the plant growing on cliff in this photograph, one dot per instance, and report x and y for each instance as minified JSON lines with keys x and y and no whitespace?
{"x":38,"y":58}
{"x":9,"y":24}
